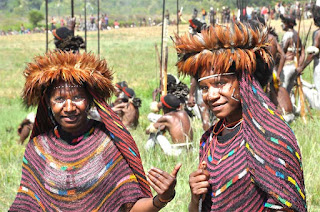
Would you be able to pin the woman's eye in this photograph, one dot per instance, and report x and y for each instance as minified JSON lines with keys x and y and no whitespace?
{"x":220,"y":83}
{"x":78,"y":98}
{"x":59,"y":100}
{"x":204,"y":88}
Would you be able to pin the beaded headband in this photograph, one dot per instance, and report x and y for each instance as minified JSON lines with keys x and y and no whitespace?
{"x":67,"y":86}
{"x":215,"y":75}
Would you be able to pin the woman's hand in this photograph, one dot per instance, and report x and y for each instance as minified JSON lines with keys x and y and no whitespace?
{"x":162,"y":182}
{"x":199,"y":184}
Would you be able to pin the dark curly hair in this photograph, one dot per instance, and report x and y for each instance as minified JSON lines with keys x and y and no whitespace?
{"x":316,"y":15}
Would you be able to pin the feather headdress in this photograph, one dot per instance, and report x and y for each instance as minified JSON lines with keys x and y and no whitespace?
{"x":221,"y":47}
{"x":83,"y":69}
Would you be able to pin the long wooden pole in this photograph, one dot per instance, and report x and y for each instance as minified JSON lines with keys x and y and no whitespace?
{"x":178,"y":20}
{"x":72,"y":9}
{"x":299,"y":83}
{"x":163,"y":49}
{"x":158,"y":61}
{"x":98,"y":3}
{"x":72,"y":14}
{"x":165,"y":58}
{"x":47,"y":26}
{"x":306,"y":39}
{"x":85,"y":24}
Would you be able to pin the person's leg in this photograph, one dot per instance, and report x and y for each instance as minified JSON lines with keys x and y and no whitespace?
{"x":316,"y":74}
{"x":288,"y":76}
{"x":166,"y":146}
{"x":151,"y":141}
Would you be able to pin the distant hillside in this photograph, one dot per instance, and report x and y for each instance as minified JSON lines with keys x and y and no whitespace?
{"x":111,"y":7}
{"x":15,"y":12}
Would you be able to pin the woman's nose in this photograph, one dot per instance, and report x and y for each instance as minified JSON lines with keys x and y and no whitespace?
{"x":213,"y":93}
{"x":69,"y":105}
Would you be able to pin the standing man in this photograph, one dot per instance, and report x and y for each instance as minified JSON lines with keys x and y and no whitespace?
{"x":289,"y":44}
{"x":312,"y":92}
{"x":212,"y":15}
{"x":204,"y":14}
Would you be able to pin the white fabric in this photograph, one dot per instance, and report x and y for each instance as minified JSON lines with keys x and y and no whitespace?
{"x":288,"y":117}
{"x":31,"y":117}
{"x":288,"y":76}
{"x":312,"y":50}
{"x":164,"y":143}
{"x":153,"y":117}
{"x":316,"y":73}
{"x":313,"y":97}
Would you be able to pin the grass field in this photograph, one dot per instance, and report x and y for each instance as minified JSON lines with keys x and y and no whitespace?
{"x":131,"y":54}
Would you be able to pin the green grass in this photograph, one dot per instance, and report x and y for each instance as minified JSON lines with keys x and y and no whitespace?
{"x":131,"y":54}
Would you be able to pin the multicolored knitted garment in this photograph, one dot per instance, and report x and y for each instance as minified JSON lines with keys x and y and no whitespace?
{"x":101,"y":173}
{"x":260,"y":167}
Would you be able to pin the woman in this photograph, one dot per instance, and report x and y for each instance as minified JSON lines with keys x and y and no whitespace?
{"x":249,"y":159}
{"x":73,"y":163}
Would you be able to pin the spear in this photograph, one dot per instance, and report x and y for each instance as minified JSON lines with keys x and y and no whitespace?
{"x":158,"y":61}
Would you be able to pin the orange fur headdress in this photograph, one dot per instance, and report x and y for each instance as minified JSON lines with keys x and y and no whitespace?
{"x":221,"y":47}
{"x":83,"y":69}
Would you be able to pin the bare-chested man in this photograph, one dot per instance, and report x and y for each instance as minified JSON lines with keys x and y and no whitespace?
{"x":128,"y":108}
{"x":289,"y":43}
{"x":312,"y":91}
{"x":175,"y":121}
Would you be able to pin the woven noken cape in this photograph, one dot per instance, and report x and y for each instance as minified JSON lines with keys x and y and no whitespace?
{"x":97,"y":78}
{"x":273,"y":153}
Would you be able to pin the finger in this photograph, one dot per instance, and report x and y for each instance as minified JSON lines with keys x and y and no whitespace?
{"x":199,"y":185}
{"x":199,"y":178}
{"x":158,"y":179}
{"x":153,"y":185}
{"x":154,"y":171}
{"x":200,"y":191}
{"x":176,"y":170}
{"x":159,"y":183}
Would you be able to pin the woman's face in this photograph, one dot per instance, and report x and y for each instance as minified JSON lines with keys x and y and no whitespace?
{"x":222,"y":94}
{"x":69,"y":104}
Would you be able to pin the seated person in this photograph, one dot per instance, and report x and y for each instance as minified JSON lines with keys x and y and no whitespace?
{"x":65,"y":40}
{"x":25,"y":127}
{"x":176,"y":88}
{"x":128,"y":108}
{"x":118,"y":91}
{"x":176,"y":121}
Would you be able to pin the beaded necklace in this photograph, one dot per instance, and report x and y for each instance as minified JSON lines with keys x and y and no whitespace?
{"x":74,"y":140}
{"x":214,"y":138}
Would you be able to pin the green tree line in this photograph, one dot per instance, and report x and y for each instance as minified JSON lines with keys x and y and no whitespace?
{"x":119,"y":7}
{"x":15,"y":12}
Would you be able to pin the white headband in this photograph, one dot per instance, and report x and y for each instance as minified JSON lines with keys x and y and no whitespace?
{"x":214,"y":75}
